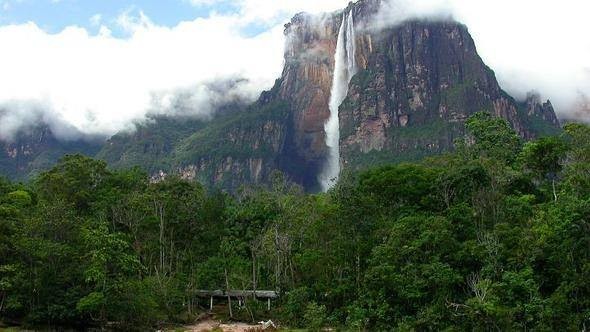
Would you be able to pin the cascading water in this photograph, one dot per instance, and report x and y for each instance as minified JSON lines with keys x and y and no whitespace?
{"x":344,"y":70}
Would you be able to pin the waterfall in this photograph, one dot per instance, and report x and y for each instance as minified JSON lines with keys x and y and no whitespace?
{"x":344,"y":70}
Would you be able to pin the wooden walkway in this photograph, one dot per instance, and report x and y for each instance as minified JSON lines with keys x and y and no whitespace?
{"x":238,"y":294}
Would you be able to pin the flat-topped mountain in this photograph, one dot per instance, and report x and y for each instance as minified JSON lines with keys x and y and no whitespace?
{"x":352,"y":94}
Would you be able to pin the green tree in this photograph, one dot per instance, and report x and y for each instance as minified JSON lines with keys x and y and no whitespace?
{"x":493,"y":137}
{"x":75,"y":179}
{"x":577,"y":176}
{"x":544,"y":159}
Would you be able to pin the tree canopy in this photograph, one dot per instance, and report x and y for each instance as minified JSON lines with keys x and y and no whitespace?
{"x":495,"y":236}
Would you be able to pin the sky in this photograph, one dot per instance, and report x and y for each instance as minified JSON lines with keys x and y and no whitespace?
{"x":97,"y":66}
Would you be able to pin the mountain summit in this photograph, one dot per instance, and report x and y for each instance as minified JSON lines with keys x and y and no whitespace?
{"x":353,"y":93}
{"x":415,"y":85}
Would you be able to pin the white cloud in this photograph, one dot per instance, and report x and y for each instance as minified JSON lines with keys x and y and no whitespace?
{"x":26,"y":114}
{"x":101,"y":83}
{"x":199,"y":3}
{"x":534,"y":44}
{"x":393,"y":12}
{"x":271,"y":11}
{"x":96,"y":19}
{"x":531,"y":44}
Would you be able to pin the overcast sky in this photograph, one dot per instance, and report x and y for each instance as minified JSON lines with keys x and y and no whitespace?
{"x":98,"y":65}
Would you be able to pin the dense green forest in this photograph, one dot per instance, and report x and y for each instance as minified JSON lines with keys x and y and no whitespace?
{"x":494,"y":236}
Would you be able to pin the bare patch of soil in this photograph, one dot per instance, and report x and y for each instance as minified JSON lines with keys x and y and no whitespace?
{"x":215,"y":326}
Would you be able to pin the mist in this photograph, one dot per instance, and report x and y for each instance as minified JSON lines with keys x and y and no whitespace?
{"x":98,"y":84}
{"x":530,"y":44}
{"x":22,"y":116}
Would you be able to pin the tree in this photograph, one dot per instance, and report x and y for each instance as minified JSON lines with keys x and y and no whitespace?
{"x":109,"y":263}
{"x":493,"y":137}
{"x":471,"y":240}
{"x":577,"y":174}
{"x":75,"y":179}
{"x":315,"y":316}
{"x":416,"y":269}
{"x":543,"y":158}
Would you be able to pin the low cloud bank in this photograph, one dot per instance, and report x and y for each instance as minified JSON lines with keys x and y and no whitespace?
{"x":17,"y":116}
{"x":530,"y":44}
{"x":101,"y":84}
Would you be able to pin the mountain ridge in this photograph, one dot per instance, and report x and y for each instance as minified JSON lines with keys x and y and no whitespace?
{"x":418,"y":81}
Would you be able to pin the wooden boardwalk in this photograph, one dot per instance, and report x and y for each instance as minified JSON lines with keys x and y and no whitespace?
{"x":238,"y":294}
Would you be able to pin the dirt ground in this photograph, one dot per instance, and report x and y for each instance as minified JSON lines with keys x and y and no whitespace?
{"x":211,"y":325}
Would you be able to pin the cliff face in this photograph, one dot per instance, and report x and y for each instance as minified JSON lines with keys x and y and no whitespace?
{"x":535,"y":107}
{"x":419,"y":77}
{"x":417,"y":83}
{"x":305,"y":86}
{"x":235,"y":149}
{"x":36,"y":149}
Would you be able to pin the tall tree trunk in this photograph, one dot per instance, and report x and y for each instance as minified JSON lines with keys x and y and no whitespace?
{"x":253,"y":270}
{"x":358,"y":272}
{"x":160,"y":213}
{"x":278,"y":255}
{"x":231,"y":315}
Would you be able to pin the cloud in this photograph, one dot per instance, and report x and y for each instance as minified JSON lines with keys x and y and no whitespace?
{"x":23,"y":115}
{"x":95,"y":20}
{"x":100,"y":84}
{"x":530,"y":44}
{"x":539,"y":45}
{"x":270,"y":12}
{"x":394,"y":12}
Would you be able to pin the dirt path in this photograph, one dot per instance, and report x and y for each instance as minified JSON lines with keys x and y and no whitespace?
{"x":209,"y":325}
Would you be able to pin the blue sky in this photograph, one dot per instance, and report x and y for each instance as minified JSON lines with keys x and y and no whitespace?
{"x":54,"y":15}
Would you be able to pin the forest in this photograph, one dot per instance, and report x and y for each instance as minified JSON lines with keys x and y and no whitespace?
{"x":494,"y":236}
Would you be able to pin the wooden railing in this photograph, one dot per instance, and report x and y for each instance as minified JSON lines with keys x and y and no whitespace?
{"x":239,"y":294}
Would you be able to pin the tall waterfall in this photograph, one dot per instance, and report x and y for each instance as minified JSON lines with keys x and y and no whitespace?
{"x":344,"y":70}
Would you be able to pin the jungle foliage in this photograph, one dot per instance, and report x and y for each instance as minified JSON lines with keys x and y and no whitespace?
{"x":494,"y":236}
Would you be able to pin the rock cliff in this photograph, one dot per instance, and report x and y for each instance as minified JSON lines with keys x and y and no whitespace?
{"x":36,"y":149}
{"x":416,"y":83}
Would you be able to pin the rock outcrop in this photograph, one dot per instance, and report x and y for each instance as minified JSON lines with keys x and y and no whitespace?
{"x":535,"y":107}
{"x":33,"y":150}
{"x":417,"y":83}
